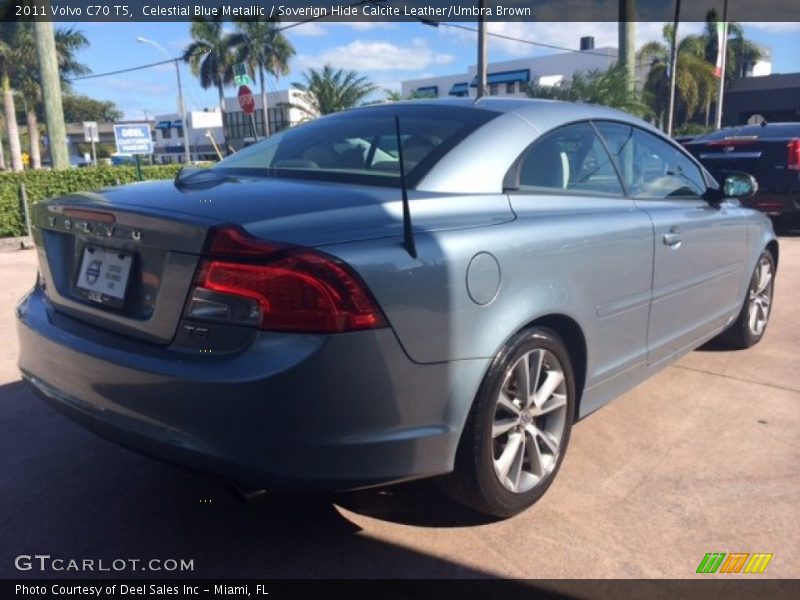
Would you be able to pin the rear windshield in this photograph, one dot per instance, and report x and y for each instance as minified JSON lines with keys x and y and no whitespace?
{"x":361,"y":146}
{"x":773,"y":131}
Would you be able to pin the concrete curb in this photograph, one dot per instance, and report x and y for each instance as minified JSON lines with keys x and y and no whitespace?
{"x":10,"y":244}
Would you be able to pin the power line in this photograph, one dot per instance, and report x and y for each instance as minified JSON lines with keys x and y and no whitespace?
{"x":182,"y":58}
{"x":128,"y":70}
{"x":516,"y":39}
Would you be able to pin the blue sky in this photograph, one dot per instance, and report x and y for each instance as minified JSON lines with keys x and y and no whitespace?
{"x":386,"y":52}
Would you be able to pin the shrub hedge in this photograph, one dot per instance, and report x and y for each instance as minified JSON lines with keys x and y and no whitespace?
{"x":41,"y":184}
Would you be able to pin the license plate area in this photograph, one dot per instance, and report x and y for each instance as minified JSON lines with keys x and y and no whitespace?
{"x":103,"y":276}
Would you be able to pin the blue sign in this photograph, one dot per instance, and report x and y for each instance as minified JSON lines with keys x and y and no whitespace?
{"x":133,"y":138}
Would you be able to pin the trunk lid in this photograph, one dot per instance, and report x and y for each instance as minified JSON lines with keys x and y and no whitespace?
{"x":162,"y":228}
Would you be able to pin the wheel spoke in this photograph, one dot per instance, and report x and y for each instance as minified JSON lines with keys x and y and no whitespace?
{"x":534,"y":452}
{"x":503,"y":464}
{"x":516,"y":465}
{"x":753,"y":316}
{"x":551,"y":382}
{"x":764,"y":277}
{"x":556,"y":401}
{"x":502,"y":426}
{"x":507,"y":404}
{"x":522,"y":377}
{"x":548,"y":440}
{"x":536,"y":364}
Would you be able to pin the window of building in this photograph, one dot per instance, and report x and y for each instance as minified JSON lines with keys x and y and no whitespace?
{"x":494,"y":89}
{"x":570,"y":159}
{"x":511,"y":87}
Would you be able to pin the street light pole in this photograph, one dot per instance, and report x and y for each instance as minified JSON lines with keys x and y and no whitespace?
{"x":673,"y":67}
{"x":722,"y":50}
{"x":482,"y":67}
{"x":181,"y":106}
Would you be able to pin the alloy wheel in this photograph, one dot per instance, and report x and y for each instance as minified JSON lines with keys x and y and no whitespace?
{"x":760,"y":297}
{"x":529,"y":421}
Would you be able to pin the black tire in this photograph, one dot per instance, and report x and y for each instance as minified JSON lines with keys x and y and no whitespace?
{"x":475,"y":481}
{"x":740,"y":334}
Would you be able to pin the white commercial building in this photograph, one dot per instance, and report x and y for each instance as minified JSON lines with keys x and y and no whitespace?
{"x":281,"y":109}
{"x":204,"y":125}
{"x":511,"y":77}
{"x":238,"y":131}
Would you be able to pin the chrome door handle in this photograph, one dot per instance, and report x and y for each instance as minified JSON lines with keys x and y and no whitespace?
{"x":672,"y":238}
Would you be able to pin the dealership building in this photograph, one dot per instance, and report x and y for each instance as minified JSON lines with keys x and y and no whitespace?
{"x":774,"y":98}
{"x":511,"y":77}
{"x":207,"y":124}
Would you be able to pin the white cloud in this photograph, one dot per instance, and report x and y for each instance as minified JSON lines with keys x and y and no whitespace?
{"x":562,"y":35}
{"x":320,"y":28}
{"x":362,"y":55}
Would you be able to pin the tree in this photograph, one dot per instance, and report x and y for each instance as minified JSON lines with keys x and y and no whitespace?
{"x":392,"y":96}
{"x":265,"y":50}
{"x":26,"y":81}
{"x":327,"y":91}
{"x":2,"y":144}
{"x":695,"y":81}
{"x":210,"y":57}
{"x":78,"y":107}
{"x":8,"y":44}
{"x":607,"y":88}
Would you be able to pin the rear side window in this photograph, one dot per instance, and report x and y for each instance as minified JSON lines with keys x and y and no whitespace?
{"x":361,"y":146}
{"x":651,"y":167}
{"x":571,"y":159}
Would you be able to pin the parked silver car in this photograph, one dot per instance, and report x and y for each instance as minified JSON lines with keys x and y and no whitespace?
{"x":393,"y":292}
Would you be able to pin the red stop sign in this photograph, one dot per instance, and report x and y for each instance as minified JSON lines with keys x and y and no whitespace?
{"x":246,"y":100}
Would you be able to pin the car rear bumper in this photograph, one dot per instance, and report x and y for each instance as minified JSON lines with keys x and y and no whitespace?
{"x":290,"y":412}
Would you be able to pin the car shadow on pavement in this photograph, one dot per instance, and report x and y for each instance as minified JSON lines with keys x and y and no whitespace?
{"x":70,"y":494}
{"x":417,"y":503}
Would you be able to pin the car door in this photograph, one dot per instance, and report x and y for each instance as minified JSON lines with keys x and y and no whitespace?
{"x":699,"y":249}
{"x":588,"y":247}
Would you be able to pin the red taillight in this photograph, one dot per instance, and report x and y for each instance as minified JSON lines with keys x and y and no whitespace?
{"x":793,"y":161}
{"x":291,"y":289}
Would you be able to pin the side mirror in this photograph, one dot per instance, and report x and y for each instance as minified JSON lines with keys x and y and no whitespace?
{"x":737,"y":184}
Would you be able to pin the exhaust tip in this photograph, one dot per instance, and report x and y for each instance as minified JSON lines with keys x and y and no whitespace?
{"x":246,"y":494}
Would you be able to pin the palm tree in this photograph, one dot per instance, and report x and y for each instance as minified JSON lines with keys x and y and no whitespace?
{"x":695,"y":81}
{"x":8,"y":44}
{"x":210,"y":57}
{"x":607,"y":88}
{"x":327,"y":91}
{"x":26,"y":80}
{"x":694,"y":76}
{"x":393,"y":96}
{"x":265,"y":50}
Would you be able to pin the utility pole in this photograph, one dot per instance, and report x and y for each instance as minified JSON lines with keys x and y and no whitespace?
{"x":181,"y":105}
{"x":723,"y":53}
{"x":51,"y":93}
{"x":673,"y":67}
{"x":482,"y":52}
{"x":627,"y":42}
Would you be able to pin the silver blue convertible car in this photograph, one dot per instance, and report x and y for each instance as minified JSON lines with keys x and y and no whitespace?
{"x":433,"y":288}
